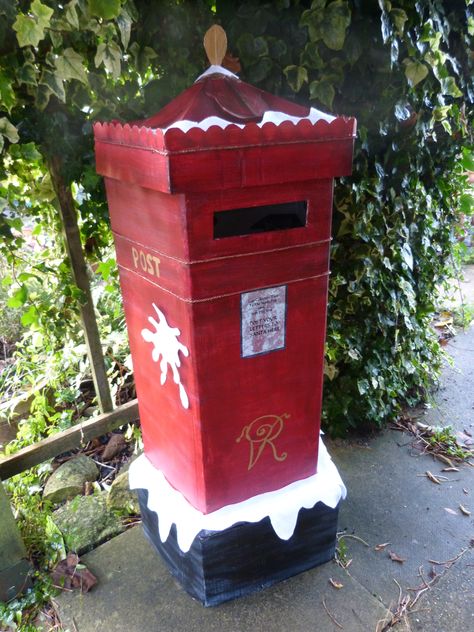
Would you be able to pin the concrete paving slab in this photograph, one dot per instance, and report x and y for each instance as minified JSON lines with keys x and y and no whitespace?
{"x":136,"y":593}
{"x":450,"y":602}
{"x":391,"y":500}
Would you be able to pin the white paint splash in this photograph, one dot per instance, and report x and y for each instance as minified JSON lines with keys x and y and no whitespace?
{"x":166,"y":344}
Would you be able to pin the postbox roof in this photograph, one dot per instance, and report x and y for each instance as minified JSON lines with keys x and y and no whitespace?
{"x":219,"y":97}
{"x":223,"y":133}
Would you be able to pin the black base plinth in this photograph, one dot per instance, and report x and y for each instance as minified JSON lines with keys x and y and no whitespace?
{"x":247,"y":557}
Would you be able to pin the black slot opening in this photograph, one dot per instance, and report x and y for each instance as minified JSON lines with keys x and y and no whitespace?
{"x":259,"y":219}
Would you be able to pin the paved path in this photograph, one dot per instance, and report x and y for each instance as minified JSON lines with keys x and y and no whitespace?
{"x":390,"y":499}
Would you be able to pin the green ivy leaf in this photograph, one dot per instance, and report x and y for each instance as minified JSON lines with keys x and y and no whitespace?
{"x":30,"y":28}
{"x":8,"y":130}
{"x":466,"y":203}
{"x":42,"y":97}
{"x":323,"y":91}
{"x":467,"y":159}
{"x":106,"y":9}
{"x":415,"y":71}
{"x":70,"y":14}
{"x":30,"y":317}
{"x":18,"y":298}
{"x":7,"y":8}
{"x":407,"y":256}
{"x":124,"y":22}
{"x":318,"y":4}
{"x":448,"y":86}
{"x":28,"y":32}
{"x":110,"y":56}
{"x":7,"y":94}
{"x":296,"y":76}
{"x":399,"y":18}
{"x":71,"y":66}
{"x":259,"y":71}
{"x":337,"y":18}
{"x":313,"y":19}
{"x":56,"y":39}
{"x":54,"y":83}
{"x":470,"y":25}
{"x":311,"y":56}
{"x":42,"y":13}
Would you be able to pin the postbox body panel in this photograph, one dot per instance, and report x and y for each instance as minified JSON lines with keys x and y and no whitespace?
{"x":238,"y":414}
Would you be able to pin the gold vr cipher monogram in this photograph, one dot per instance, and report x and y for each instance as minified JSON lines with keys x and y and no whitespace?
{"x":146,"y":262}
{"x":262,"y":432}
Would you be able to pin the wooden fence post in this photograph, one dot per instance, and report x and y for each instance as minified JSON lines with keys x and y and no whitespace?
{"x":79,"y":270}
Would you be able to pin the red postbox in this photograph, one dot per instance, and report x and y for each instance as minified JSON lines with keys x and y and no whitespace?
{"x":221,"y":207}
{"x":222,"y":226}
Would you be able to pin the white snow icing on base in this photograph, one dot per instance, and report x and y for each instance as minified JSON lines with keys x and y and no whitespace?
{"x":281,"y":506}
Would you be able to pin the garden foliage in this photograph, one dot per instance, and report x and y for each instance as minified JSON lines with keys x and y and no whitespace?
{"x":403,"y":68}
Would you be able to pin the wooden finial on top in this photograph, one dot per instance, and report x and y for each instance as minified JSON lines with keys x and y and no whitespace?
{"x":215,"y":44}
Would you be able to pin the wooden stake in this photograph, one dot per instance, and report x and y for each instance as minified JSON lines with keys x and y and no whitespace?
{"x":79,"y":271}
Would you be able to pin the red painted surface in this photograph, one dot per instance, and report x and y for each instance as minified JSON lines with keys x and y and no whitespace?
{"x":163,"y":191}
{"x":223,"y":96}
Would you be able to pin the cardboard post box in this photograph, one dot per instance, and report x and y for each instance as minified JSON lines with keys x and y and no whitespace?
{"x":220,"y":206}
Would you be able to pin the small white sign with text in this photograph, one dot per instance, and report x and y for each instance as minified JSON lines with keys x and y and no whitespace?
{"x":263,"y":320}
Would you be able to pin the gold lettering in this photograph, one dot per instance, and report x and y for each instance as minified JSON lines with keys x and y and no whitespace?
{"x":147,"y":262}
{"x":135,"y":256}
{"x":157,"y":266}
{"x":262,"y":432}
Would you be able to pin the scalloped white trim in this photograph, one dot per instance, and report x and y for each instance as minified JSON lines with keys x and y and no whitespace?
{"x":282,"y":506}
{"x":269,"y":117}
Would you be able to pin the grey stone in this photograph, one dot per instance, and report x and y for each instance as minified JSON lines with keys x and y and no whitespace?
{"x":68,"y":480}
{"x":86,"y":522}
{"x":121,"y":497}
{"x":14,"y":567}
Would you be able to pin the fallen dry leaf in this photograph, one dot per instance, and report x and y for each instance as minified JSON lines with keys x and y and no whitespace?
{"x":334,"y":583}
{"x":445,"y":459}
{"x":432,"y":477}
{"x":70,"y":574}
{"x":396,"y":558}
{"x":466,"y":491}
{"x":115,"y":445}
{"x":465,"y":511}
{"x":451,"y":511}
{"x":381,"y":547}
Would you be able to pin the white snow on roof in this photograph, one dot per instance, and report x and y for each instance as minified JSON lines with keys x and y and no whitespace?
{"x":282,"y":505}
{"x":220,"y":70}
{"x":269,"y":117}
